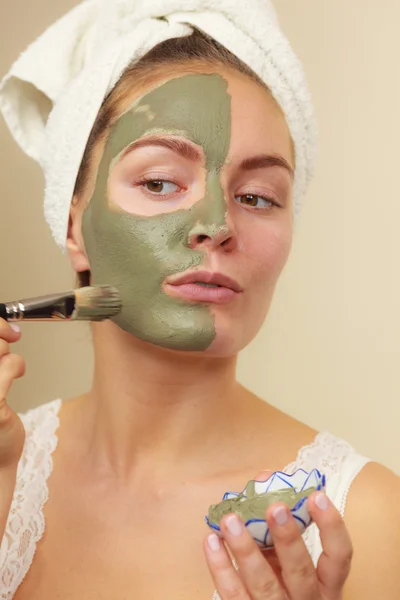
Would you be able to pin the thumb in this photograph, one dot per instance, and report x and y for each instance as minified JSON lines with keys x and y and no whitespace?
{"x":263,"y":475}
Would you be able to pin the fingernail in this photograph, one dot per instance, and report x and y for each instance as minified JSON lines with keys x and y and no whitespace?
{"x":321,"y":501}
{"x":213,"y":542}
{"x":234,"y":525}
{"x":280,"y":515}
{"x":16,"y":327}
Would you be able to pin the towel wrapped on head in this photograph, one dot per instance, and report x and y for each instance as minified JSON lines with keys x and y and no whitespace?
{"x":52,"y":94}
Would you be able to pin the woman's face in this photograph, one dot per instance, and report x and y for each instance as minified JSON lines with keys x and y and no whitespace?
{"x":191,"y":213}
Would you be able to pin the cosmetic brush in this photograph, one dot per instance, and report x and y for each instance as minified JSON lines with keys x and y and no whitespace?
{"x":93,"y":303}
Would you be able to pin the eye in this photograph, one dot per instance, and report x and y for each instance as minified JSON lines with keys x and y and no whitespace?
{"x":160,"y":186}
{"x":255,"y":201}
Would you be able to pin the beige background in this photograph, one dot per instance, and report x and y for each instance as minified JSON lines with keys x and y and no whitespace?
{"x":329,"y":353}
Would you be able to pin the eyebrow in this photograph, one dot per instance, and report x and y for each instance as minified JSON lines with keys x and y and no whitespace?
{"x":190,"y":152}
{"x":263,"y":161}
{"x":178,"y":146}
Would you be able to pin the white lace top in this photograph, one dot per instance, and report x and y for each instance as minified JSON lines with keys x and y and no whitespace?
{"x":25,"y":526}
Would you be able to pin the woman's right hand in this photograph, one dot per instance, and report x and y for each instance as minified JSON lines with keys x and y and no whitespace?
{"x":12,"y":432}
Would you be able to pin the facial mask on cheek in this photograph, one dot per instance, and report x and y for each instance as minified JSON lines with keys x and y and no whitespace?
{"x":136,"y":253}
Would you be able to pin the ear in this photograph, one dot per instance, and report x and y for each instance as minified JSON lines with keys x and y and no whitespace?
{"x":75,"y":245}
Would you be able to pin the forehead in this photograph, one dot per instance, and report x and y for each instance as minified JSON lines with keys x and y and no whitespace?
{"x":196,"y":106}
{"x":258,"y":124}
{"x":225,"y":113}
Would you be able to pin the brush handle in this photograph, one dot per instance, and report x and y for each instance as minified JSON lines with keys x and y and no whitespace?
{"x":55,"y":307}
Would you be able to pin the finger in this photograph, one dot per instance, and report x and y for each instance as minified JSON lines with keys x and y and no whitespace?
{"x":9,"y":331}
{"x":269,"y":554}
{"x":334,"y":564}
{"x":298,"y":572}
{"x":263,"y":475}
{"x":257,"y":575}
{"x":12,"y":366}
{"x":12,"y":432}
{"x":226,"y":579}
{"x":4,"y":348}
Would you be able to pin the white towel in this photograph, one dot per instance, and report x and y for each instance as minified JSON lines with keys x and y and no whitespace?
{"x":52,"y":94}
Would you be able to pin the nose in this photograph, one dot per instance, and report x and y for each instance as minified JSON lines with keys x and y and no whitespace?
{"x":212,"y":236}
{"x":214,"y":227}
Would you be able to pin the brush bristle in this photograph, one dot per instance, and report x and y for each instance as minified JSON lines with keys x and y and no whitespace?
{"x":96,"y":303}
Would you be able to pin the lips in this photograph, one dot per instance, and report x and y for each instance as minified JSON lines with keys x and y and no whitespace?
{"x":206,"y":277}
{"x":203,"y":286}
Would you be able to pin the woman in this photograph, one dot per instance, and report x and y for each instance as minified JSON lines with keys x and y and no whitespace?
{"x":184,"y":200}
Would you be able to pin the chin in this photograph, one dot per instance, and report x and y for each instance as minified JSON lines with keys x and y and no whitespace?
{"x":230,"y":335}
{"x":230,"y":341}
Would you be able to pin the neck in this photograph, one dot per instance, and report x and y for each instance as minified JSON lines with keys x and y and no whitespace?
{"x":152,"y":408}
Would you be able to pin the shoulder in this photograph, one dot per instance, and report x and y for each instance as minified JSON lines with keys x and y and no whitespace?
{"x":372,"y":482}
{"x":373,"y":520}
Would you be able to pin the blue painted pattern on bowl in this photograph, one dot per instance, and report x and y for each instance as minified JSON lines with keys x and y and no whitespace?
{"x":299,"y":481}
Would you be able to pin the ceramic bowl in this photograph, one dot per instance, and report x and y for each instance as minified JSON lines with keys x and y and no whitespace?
{"x":252,"y":502}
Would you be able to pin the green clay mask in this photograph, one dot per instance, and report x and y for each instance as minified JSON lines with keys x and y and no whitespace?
{"x":253,"y":506}
{"x":136,"y":253}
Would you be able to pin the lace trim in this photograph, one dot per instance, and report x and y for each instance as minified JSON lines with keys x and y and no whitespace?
{"x":326,"y":453}
{"x":25,"y":524}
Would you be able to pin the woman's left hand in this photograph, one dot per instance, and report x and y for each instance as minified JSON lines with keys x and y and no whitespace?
{"x":287,"y":571}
